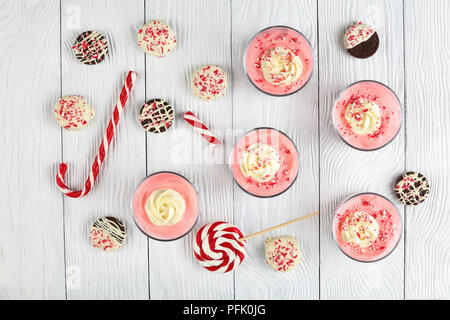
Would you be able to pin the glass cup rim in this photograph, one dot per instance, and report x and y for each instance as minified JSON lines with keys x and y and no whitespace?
{"x":339,"y":96}
{"x":245,"y":54}
{"x":350,"y":197}
{"x":132,"y":209}
{"x":232,"y":156}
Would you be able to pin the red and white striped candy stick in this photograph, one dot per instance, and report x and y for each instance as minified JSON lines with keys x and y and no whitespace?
{"x":131,"y":77}
{"x":192,"y":119}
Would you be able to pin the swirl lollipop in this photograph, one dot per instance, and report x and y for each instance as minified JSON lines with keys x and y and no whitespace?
{"x":217,"y":247}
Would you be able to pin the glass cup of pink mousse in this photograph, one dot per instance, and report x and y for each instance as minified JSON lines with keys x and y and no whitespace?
{"x":373,"y":223}
{"x":278,"y":37}
{"x":165,"y":180}
{"x":281,"y":162}
{"x":385,"y":119}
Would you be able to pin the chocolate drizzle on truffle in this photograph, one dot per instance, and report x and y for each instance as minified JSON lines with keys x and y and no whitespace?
{"x":108,"y":234}
{"x":412,"y":188}
{"x":90,"y":47}
{"x":156,"y":115}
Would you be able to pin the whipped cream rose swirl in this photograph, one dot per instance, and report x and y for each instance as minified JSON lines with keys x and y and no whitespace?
{"x":165,"y":207}
{"x":363,"y":116}
{"x":360,"y":228}
{"x":260,"y":162}
{"x":280,"y":66}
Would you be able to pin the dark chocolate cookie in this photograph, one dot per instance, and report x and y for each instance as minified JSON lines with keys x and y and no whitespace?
{"x":90,"y":47}
{"x":156,"y":115}
{"x":361,"y":40}
{"x":412,"y":188}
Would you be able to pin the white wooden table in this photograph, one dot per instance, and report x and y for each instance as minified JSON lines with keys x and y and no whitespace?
{"x":44,"y":247}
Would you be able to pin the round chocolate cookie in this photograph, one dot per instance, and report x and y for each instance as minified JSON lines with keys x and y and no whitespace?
{"x":90,"y":47}
{"x":412,"y":188}
{"x":108,"y":234}
{"x":361,"y":40}
{"x":156,"y":115}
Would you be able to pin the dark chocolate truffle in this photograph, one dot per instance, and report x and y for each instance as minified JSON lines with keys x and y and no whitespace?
{"x":412,"y":188}
{"x":156,"y":115}
{"x":90,"y":47}
{"x":361,"y":40}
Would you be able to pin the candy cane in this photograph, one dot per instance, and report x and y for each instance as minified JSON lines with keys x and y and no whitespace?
{"x":192,"y":119}
{"x":131,"y":77}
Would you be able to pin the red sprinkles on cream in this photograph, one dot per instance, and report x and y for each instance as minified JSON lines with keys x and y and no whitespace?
{"x":357,"y":33}
{"x":107,"y":234}
{"x":209,"y":82}
{"x":374,"y":215}
{"x":73,"y":112}
{"x":156,"y":38}
{"x":282,"y":254}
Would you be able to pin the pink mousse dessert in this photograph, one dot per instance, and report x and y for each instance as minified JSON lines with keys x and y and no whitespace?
{"x":367,"y":227}
{"x":279,"y":60}
{"x":367,"y":115}
{"x":165,"y":206}
{"x":265,"y":162}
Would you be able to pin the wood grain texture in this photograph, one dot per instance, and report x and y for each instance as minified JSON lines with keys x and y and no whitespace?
{"x":45,"y":252}
{"x":297,"y":116}
{"x":428,"y":92}
{"x":344,"y":170}
{"x":203,"y":31}
{"x":31,"y":229}
{"x":93,"y":274}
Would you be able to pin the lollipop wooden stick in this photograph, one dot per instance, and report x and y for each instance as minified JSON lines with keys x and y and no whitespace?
{"x":279,"y":226}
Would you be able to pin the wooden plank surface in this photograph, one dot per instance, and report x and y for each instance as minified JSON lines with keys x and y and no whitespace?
{"x":297,"y":116}
{"x":45,"y":251}
{"x":174,"y":272}
{"x":428,"y":92}
{"x":31,"y":231}
{"x":94,"y":274}
{"x":344,"y":170}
